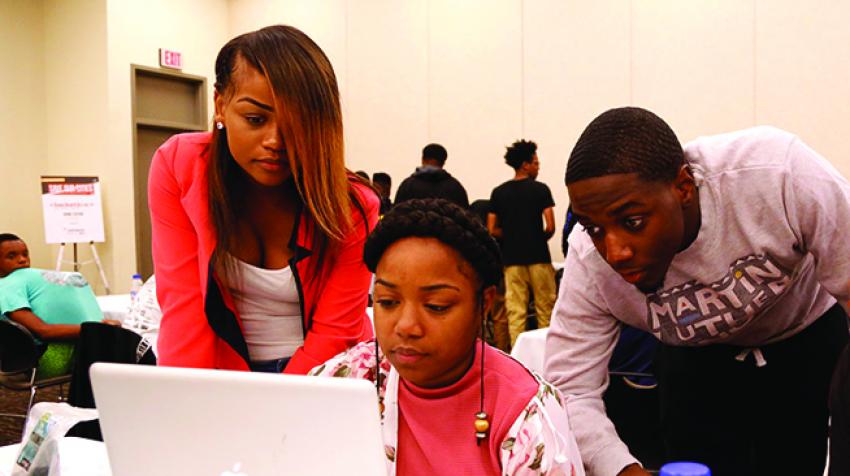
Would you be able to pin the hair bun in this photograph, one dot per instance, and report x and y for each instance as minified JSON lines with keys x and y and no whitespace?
{"x":445,"y":221}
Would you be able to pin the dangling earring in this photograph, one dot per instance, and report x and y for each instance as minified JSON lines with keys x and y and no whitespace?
{"x":482,"y":420}
{"x":378,"y":380}
{"x":219,"y":125}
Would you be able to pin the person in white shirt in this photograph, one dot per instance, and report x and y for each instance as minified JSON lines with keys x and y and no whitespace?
{"x":732,"y":253}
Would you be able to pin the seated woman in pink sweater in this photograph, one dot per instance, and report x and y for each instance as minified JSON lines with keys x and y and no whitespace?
{"x":450,"y":403}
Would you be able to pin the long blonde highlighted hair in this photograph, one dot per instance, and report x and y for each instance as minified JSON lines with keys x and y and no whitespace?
{"x":308,"y":111}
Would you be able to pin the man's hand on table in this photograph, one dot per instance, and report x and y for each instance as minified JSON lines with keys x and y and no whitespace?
{"x":633,"y":470}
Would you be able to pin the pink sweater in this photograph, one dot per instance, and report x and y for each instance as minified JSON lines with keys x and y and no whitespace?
{"x":435,"y":431}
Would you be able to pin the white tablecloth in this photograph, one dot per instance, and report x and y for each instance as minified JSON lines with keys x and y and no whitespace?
{"x":530,"y":348}
{"x":77,"y":457}
{"x":115,"y":306}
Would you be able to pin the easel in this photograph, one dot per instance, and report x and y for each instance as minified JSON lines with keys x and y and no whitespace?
{"x":77,"y":263}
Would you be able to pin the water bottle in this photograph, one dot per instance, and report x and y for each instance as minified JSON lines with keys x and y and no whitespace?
{"x":685,"y":468}
{"x":135,"y":286}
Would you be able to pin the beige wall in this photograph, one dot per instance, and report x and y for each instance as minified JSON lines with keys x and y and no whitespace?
{"x":22,"y":124}
{"x":802,"y":73}
{"x":75,"y":83}
{"x":136,"y":30}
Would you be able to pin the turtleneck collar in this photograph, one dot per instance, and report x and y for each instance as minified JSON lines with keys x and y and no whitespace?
{"x":471,"y":378}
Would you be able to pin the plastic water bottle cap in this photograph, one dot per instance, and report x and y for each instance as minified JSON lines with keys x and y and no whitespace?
{"x":685,"y":468}
{"x":137,"y":276}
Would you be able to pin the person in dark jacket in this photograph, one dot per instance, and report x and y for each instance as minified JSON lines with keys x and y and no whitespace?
{"x":431,"y":181}
{"x":383,"y":183}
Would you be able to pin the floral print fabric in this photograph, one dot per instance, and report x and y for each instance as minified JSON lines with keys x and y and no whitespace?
{"x":539,"y":442}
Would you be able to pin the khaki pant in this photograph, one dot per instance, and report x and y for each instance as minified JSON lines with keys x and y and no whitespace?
{"x":499,"y":317}
{"x":541,"y":279}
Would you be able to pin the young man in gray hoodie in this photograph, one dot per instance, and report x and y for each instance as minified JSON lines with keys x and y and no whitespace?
{"x":733,"y":253}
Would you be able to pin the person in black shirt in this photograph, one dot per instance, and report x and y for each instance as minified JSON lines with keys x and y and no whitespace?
{"x":383,"y":183}
{"x":431,"y":181}
{"x":522,"y":218}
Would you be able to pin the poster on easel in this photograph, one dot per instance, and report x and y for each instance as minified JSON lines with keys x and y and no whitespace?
{"x":72,"y":209}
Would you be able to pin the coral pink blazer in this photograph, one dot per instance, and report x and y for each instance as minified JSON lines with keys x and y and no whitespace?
{"x":200,"y":326}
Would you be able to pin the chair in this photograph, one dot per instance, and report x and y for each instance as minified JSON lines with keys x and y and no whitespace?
{"x":19,"y":356}
{"x":101,"y":342}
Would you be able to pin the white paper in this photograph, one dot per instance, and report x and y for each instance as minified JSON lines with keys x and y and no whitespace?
{"x":72,"y":209}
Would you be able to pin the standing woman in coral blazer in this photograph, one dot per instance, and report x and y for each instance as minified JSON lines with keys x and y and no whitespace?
{"x":258,"y":227}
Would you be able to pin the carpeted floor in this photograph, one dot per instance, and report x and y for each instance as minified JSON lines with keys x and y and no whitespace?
{"x":16,"y":402}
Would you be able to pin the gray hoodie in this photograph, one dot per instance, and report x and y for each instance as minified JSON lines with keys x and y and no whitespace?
{"x":771,"y":256}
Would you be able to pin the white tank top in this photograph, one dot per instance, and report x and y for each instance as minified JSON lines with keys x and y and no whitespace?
{"x":268,"y":305}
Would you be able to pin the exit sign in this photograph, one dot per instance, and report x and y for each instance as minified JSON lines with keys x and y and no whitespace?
{"x":170,"y":59}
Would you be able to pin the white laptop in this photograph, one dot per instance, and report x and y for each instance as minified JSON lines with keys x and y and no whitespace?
{"x":173,"y":421}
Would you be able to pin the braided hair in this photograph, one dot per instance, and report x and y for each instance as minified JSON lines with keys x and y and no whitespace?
{"x":443,"y":220}
{"x":455,"y":227}
{"x":626,"y":140}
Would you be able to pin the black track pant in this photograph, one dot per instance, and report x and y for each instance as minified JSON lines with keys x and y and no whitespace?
{"x":740,"y":419}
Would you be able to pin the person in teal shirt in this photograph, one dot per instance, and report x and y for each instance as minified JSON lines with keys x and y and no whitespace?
{"x":51,"y":304}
